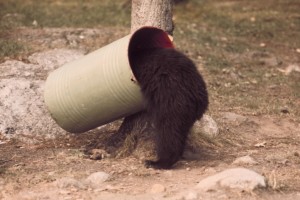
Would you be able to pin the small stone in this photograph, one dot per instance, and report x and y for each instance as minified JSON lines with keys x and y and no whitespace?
{"x":262,"y":44}
{"x":224,"y":39}
{"x":245,"y":160}
{"x":34,"y":23}
{"x":227,"y":85}
{"x":253,"y":81}
{"x":96,"y":179}
{"x":285,"y":110}
{"x":157,"y":188}
{"x":261,"y":144}
{"x":236,"y":178}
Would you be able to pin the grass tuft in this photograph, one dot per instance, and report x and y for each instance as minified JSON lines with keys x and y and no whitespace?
{"x":10,"y":48}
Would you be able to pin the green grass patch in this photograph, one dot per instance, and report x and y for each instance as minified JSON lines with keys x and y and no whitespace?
{"x":10,"y":48}
{"x":69,"y":13}
{"x":216,"y":63}
{"x":236,"y":47}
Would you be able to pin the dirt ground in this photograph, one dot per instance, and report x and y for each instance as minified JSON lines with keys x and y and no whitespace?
{"x":28,"y":171}
{"x":250,"y":67}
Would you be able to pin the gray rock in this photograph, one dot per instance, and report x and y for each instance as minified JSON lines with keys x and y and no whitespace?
{"x":40,"y":64}
{"x":23,"y":114}
{"x":206,"y":126}
{"x":96,"y":179}
{"x":236,"y":178}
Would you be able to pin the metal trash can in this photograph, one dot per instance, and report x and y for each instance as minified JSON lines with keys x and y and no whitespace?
{"x":99,"y":88}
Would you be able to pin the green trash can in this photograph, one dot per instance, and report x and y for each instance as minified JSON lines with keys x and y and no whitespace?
{"x":100,"y":87}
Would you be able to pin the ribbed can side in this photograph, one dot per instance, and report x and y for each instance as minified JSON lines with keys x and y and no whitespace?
{"x":93,"y":90}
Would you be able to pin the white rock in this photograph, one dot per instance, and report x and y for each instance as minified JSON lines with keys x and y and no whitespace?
{"x":23,"y":113}
{"x":236,"y":178}
{"x":206,"y":126}
{"x":245,"y":160}
{"x":96,"y":179}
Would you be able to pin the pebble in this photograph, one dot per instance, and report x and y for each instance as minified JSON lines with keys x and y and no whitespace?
{"x":262,"y":44}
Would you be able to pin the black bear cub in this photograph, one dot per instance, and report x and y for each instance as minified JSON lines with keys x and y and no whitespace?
{"x":175,"y":97}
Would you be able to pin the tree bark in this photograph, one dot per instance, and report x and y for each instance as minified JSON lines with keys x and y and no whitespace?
{"x":157,"y":13}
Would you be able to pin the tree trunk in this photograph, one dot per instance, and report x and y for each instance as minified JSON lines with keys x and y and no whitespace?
{"x":157,"y":13}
